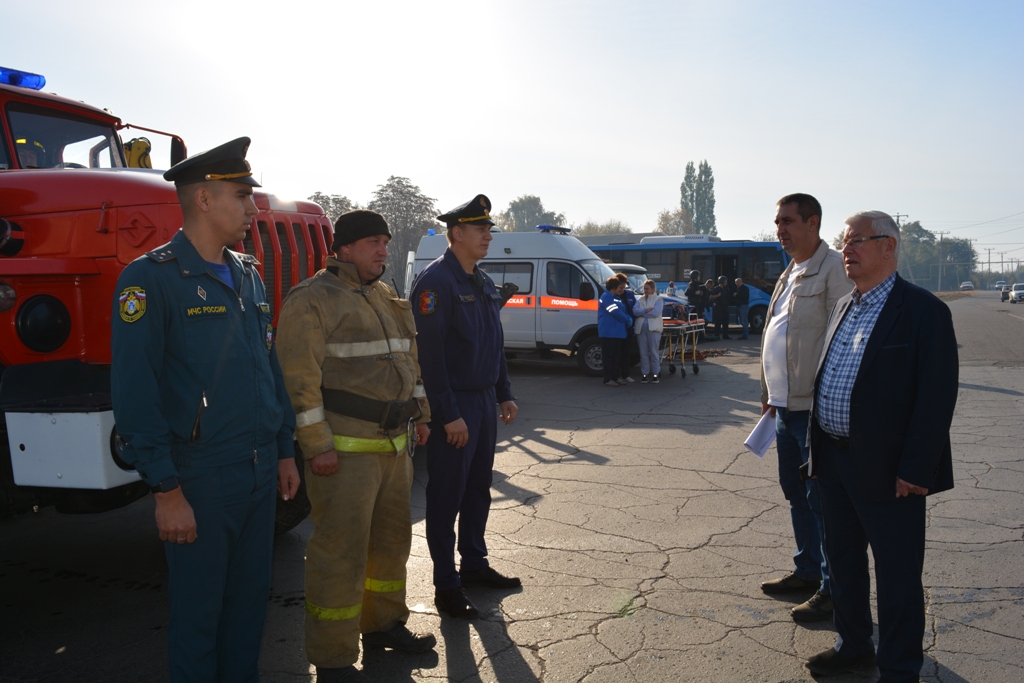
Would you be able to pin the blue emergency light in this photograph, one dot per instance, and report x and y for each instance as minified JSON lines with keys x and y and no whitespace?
{"x":431,"y":232}
{"x":555,"y":229}
{"x":22,"y":79}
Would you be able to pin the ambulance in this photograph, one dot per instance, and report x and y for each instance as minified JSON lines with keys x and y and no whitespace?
{"x":559,"y":281}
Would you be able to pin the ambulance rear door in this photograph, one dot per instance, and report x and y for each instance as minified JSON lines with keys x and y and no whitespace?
{"x":519,"y":315}
{"x":562,"y":311}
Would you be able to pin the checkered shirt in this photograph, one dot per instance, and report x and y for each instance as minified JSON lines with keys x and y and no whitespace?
{"x":832,"y":402}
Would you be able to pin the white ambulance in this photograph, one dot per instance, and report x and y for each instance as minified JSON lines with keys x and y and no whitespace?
{"x":559,"y":280}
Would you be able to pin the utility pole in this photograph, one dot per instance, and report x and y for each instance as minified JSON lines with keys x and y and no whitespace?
{"x":941,"y":258}
{"x":898,"y":216}
{"x":899,"y":254}
{"x":989,"y":250}
{"x":1001,"y":269}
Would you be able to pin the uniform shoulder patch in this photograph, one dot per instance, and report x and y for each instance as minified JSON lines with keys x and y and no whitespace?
{"x":427,"y":302}
{"x":132,"y":304}
{"x":164,"y":253}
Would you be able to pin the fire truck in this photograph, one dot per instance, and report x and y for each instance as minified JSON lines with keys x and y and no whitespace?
{"x":77,"y":204}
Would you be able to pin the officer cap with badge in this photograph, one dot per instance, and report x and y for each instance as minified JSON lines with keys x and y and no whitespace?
{"x":224,"y":162}
{"x":477,"y":211}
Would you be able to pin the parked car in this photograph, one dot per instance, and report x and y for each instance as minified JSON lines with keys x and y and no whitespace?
{"x":1004,"y":293}
{"x":966,"y":286}
{"x":1017,"y":293}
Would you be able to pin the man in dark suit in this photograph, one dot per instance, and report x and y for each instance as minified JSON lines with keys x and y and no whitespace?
{"x":885,"y":392}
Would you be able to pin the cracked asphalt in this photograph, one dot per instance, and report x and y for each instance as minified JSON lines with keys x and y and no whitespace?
{"x":639,"y":524}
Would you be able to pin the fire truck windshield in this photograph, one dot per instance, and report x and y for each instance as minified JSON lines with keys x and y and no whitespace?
{"x":45,"y":138}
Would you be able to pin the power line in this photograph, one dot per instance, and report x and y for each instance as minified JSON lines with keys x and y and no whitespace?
{"x":994,"y":220}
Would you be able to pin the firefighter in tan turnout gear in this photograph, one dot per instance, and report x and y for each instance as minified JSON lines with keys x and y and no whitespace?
{"x":347,"y":348}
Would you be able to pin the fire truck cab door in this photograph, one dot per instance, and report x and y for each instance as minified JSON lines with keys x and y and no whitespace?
{"x":519,"y":314}
{"x":562,"y":311}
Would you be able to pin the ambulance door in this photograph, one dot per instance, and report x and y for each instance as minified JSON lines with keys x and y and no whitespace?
{"x":519,"y":315}
{"x":562,"y":311}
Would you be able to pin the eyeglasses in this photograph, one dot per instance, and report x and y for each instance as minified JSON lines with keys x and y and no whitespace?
{"x":857,"y":241}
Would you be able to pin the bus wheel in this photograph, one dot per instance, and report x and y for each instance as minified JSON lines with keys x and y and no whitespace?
{"x":756,"y":318}
{"x":589,"y":357}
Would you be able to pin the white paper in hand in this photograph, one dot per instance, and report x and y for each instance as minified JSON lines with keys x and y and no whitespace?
{"x":763,"y":436}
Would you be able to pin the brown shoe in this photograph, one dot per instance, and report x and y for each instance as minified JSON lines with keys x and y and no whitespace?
{"x":399,"y":637}
{"x":790,"y":583}
{"x":455,"y":604}
{"x":818,"y":608}
{"x":830,"y":663}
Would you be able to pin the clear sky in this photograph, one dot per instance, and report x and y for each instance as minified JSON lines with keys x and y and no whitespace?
{"x":595,"y":106}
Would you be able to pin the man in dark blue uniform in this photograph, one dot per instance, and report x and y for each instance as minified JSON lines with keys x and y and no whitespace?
{"x":200,"y":401}
{"x":462,"y":360}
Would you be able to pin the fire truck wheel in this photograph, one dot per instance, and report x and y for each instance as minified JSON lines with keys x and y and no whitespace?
{"x":291,"y":512}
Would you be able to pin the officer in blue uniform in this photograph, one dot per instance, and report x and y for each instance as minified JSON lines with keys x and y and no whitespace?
{"x":462,"y":361}
{"x":201,"y":404}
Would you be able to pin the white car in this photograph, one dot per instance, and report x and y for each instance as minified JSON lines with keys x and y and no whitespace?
{"x":966,"y":286}
{"x":1017,"y":293}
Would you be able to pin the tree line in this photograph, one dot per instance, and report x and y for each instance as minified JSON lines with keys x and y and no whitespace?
{"x":410,"y":214}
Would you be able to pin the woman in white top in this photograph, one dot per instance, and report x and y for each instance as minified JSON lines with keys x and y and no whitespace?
{"x":648,"y":328}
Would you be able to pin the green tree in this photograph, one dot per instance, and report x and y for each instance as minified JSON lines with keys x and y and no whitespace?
{"x":697,"y":197}
{"x":526,"y":213}
{"x":675,"y":222}
{"x":333,"y":204}
{"x":704,"y":204}
{"x":688,"y":191}
{"x":409,"y":214}
{"x":608,"y":228}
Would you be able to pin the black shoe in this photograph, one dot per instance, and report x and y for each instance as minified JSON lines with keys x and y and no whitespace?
{"x":348,"y":674}
{"x":643,"y":379}
{"x":818,"y":608}
{"x":790,"y":583}
{"x":655,"y":380}
{"x":455,"y":604}
{"x":399,"y":637}
{"x":725,"y":336}
{"x":830,"y":663}
{"x":488,"y":577}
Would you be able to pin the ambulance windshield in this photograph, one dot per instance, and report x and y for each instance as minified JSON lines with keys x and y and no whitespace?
{"x":597,"y":269}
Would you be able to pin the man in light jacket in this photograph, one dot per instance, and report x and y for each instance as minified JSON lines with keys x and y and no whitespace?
{"x":794,"y":335}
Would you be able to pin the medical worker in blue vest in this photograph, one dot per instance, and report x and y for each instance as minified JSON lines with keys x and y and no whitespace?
{"x":462,"y":362}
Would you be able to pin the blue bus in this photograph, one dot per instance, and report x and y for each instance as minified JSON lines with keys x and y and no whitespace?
{"x":671,"y":258}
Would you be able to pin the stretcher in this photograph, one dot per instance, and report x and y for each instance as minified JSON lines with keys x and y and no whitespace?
{"x":680,"y":324}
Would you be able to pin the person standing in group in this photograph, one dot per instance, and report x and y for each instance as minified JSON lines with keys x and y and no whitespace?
{"x":742,"y":301}
{"x":201,"y":405}
{"x":348,"y":352}
{"x":648,"y":327}
{"x":612,"y":324}
{"x":720,"y":296}
{"x":696,"y":294}
{"x":456,"y":308}
{"x":625,"y":360}
{"x":885,"y":392}
{"x":794,"y":334}
{"x":671,"y":289}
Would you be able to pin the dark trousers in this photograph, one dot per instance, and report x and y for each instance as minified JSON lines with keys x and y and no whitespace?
{"x":804,"y":504}
{"x":624,"y":355}
{"x":895,"y":531}
{"x":459,"y":484}
{"x":611,"y":357}
{"x":720,"y":316}
{"x":219,"y":585}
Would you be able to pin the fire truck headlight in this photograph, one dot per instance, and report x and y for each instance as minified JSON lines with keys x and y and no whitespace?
{"x":43,"y":323}
{"x":7,"y":297}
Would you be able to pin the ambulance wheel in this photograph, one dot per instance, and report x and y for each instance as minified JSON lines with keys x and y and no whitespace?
{"x":588,"y":356}
{"x":696,"y":369}
{"x":672,"y":369}
{"x":290,"y":513}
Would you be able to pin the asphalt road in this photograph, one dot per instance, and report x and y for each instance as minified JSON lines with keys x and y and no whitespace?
{"x":640,"y":527}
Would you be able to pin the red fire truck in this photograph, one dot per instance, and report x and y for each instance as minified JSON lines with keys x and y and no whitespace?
{"x":77,"y":205}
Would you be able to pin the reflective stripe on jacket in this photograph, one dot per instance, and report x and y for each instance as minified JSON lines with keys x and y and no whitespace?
{"x":338,"y":333}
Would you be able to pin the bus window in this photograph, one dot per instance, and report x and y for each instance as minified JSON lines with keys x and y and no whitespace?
{"x":661,"y":264}
{"x":564,"y":280}
{"x":520,"y":274}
